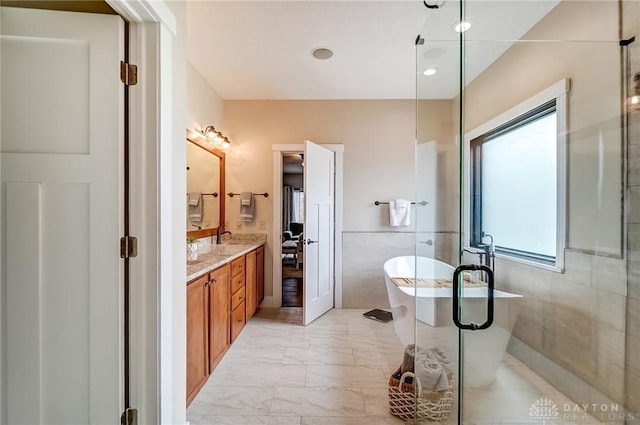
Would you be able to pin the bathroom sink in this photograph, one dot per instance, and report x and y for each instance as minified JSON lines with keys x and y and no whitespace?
{"x":229,"y":249}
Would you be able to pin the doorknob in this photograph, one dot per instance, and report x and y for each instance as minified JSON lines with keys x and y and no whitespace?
{"x":428,"y":242}
{"x":309,"y":241}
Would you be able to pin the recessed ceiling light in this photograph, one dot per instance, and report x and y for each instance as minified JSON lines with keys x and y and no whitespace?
{"x":322,"y":53}
{"x":462,"y":26}
{"x":430,"y":71}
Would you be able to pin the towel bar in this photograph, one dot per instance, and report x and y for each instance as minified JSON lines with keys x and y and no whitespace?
{"x":214,"y":194}
{"x":266,"y":194}
{"x":387,"y":203}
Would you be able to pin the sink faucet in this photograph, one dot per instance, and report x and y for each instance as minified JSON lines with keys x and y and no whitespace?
{"x":219,"y":235}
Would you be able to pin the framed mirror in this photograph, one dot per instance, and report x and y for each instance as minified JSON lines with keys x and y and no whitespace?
{"x":205,"y":187}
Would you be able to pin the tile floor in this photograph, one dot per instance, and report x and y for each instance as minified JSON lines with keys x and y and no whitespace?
{"x":335,"y":372}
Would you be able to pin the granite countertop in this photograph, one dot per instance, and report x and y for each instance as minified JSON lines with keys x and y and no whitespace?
{"x":232,"y":247}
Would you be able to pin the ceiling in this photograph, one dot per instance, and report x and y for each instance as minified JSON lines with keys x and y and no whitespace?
{"x":263,"y":49}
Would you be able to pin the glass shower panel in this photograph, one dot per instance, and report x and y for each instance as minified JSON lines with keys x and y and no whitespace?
{"x":526,"y":149}
{"x":542,"y":198}
{"x":631,"y":27}
{"x":437,"y":222}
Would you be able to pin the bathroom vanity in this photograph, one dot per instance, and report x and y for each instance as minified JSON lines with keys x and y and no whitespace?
{"x":224,"y":289}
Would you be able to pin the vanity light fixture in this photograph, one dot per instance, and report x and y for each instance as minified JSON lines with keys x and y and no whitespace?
{"x":214,"y":138}
{"x":225,"y":143}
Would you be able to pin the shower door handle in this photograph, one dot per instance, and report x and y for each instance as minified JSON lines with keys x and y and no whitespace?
{"x":456,"y":297}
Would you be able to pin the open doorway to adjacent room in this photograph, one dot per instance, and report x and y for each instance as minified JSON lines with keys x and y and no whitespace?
{"x":293,"y":229}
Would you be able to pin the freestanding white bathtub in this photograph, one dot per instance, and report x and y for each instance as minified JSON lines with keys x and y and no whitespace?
{"x":432,"y":307}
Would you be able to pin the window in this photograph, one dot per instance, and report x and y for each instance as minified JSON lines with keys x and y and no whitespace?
{"x":297,"y":203}
{"x":516,"y":185}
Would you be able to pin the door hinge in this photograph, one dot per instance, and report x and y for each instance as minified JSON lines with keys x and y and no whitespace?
{"x":128,"y":73}
{"x":128,"y":247}
{"x":129,"y":417}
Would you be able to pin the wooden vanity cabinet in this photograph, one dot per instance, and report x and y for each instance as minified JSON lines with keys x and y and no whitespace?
{"x":197,"y":336}
{"x":259,"y":275}
{"x":238,"y":294}
{"x":251,"y":284}
{"x":219,"y":304}
{"x":219,"y":310}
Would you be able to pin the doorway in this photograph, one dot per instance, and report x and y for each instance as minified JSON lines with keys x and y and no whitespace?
{"x":279,"y":152}
{"x":293,"y":229}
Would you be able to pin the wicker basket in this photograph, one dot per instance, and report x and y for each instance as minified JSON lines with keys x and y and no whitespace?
{"x":407,"y":404}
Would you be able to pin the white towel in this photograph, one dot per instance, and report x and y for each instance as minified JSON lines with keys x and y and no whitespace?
{"x":399,"y":212}
{"x":245,"y":198}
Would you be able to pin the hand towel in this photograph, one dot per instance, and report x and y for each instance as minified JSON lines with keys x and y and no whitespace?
{"x":246,"y":211}
{"x":431,"y":374}
{"x":245,"y":198}
{"x":194,"y":198}
{"x":195,"y":210}
{"x":399,"y":212}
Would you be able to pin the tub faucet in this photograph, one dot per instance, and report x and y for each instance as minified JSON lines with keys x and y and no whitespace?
{"x":219,"y":235}
{"x":481,"y":252}
{"x":490,"y":251}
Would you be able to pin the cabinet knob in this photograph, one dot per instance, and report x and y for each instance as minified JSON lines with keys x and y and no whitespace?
{"x":214,"y":280}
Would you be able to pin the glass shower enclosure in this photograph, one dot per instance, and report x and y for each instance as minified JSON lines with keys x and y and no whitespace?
{"x":527,"y":287}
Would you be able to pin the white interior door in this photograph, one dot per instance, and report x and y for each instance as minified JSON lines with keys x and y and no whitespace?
{"x":426,"y":173}
{"x":61,"y":163}
{"x":319,"y":166}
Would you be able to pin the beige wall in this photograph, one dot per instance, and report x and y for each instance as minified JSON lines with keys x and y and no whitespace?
{"x":204,"y":105}
{"x":575,"y":319}
{"x":379,"y":139}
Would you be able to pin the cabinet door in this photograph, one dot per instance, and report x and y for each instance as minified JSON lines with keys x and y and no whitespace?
{"x":250,"y":283}
{"x":237,"y":321}
{"x":197,"y":336}
{"x":219,"y":314}
{"x":259,"y":275}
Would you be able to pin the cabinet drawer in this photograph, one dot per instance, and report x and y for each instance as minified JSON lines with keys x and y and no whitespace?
{"x":237,"y":266}
{"x":237,"y":282}
{"x":237,"y":321}
{"x":237,"y":298}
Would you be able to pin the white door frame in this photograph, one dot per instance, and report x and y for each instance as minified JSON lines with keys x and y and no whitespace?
{"x":278,"y":150}
{"x":158,"y":313}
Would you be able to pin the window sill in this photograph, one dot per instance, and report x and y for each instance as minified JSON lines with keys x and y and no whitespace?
{"x":553,"y":268}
